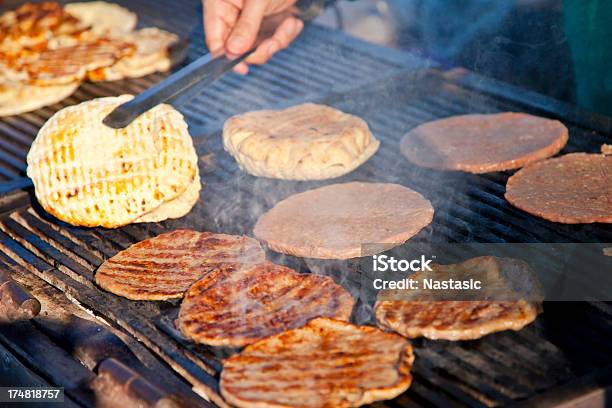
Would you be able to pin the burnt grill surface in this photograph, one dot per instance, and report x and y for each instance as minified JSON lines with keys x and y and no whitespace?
{"x":567,"y":341}
{"x":319,"y":61}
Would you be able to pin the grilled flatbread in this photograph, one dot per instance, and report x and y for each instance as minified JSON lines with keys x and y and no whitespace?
{"x":63,"y":65}
{"x":164,"y":267}
{"x":510,"y":300}
{"x":484,"y":143}
{"x":335,"y":221}
{"x":326,"y":363}
{"x":572,"y":189}
{"x":16,"y":97}
{"x":104,"y":18}
{"x":88,"y":174}
{"x":304,"y":142}
{"x":34,"y":25}
{"x":236,"y":307}
{"x":151,"y":55}
{"x":177,"y":207}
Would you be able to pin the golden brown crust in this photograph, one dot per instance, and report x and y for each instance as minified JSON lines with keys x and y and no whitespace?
{"x":303,"y":142}
{"x":326,"y":363}
{"x":236,"y":307}
{"x":484,"y":143}
{"x":151,"y":55}
{"x":32,"y":24}
{"x":335,"y":221}
{"x":65,"y":64}
{"x":88,"y":174}
{"x":574,"y":188}
{"x":165,"y":266}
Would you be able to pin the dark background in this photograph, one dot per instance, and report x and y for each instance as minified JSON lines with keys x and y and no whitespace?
{"x":522,"y":42}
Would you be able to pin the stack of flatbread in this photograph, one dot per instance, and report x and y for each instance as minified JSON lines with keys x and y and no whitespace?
{"x":88,"y":174}
{"x":47,"y":50}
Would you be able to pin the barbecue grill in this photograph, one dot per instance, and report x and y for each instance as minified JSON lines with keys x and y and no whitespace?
{"x":564,"y":357}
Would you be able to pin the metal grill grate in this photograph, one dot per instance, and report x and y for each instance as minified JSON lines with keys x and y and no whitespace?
{"x":320,"y":60}
{"x":566,"y":342}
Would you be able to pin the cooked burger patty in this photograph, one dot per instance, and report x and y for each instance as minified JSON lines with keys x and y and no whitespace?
{"x":575,"y":188}
{"x":335,"y":221}
{"x":484,"y":143}
{"x":509,"y":299}
{"x":231,"y":307}
{"x":165,"y":266}
{"x":326,"y":363}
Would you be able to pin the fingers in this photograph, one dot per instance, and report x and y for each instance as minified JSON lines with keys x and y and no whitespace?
{"x":286,"y":32}
{"x":244,"y":33}
{"x":219,"y":17}
{"x":242,"y":68}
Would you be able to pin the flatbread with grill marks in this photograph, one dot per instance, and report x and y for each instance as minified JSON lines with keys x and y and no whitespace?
{"x":33,"y":25}
{"x":88,"y":174}
{"x":335,"y":221}
{"x":152,"y":54}
{"x":65,"y":64}
{"x":177,"y":207}
{"x":327,"y":363}
{"x":303,"y":142}
{"x":236,"y":307}
{"x":571,"y":189}
{"x":484,"y":143}
{"x":164,"y":267}
{"x":510,"y":300}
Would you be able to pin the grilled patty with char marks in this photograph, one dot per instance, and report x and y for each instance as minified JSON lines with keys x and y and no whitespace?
{"x":509,"y":299}
{"x":236,"y":307}
{"x":327,"y":363}
{"x":164,"y":267}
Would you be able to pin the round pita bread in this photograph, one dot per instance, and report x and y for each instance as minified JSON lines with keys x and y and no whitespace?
{"x":327,"y":363}
{"x":151,"y":55}
{"x":88,"y":174}
{"x":304,"y":142}
{"x":575,"y":188}
{"x":16,"y":97}
{"x":484,"y":143}
{"x":335,"y":221}
{"x":103,"y":18}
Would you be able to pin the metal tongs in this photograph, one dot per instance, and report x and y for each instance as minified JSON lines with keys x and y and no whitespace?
{"x":202,"y":72}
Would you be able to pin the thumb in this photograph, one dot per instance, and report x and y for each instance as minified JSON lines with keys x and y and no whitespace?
{"x":244,"y":33}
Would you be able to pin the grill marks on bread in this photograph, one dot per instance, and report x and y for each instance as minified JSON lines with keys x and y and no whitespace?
{"x":165,"y":266}
{"x":235,"y":307}
{"x":303,"y":142}
{"x":65,"y":64}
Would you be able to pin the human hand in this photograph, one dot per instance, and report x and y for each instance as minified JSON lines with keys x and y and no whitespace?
{"x":231,"y":27}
